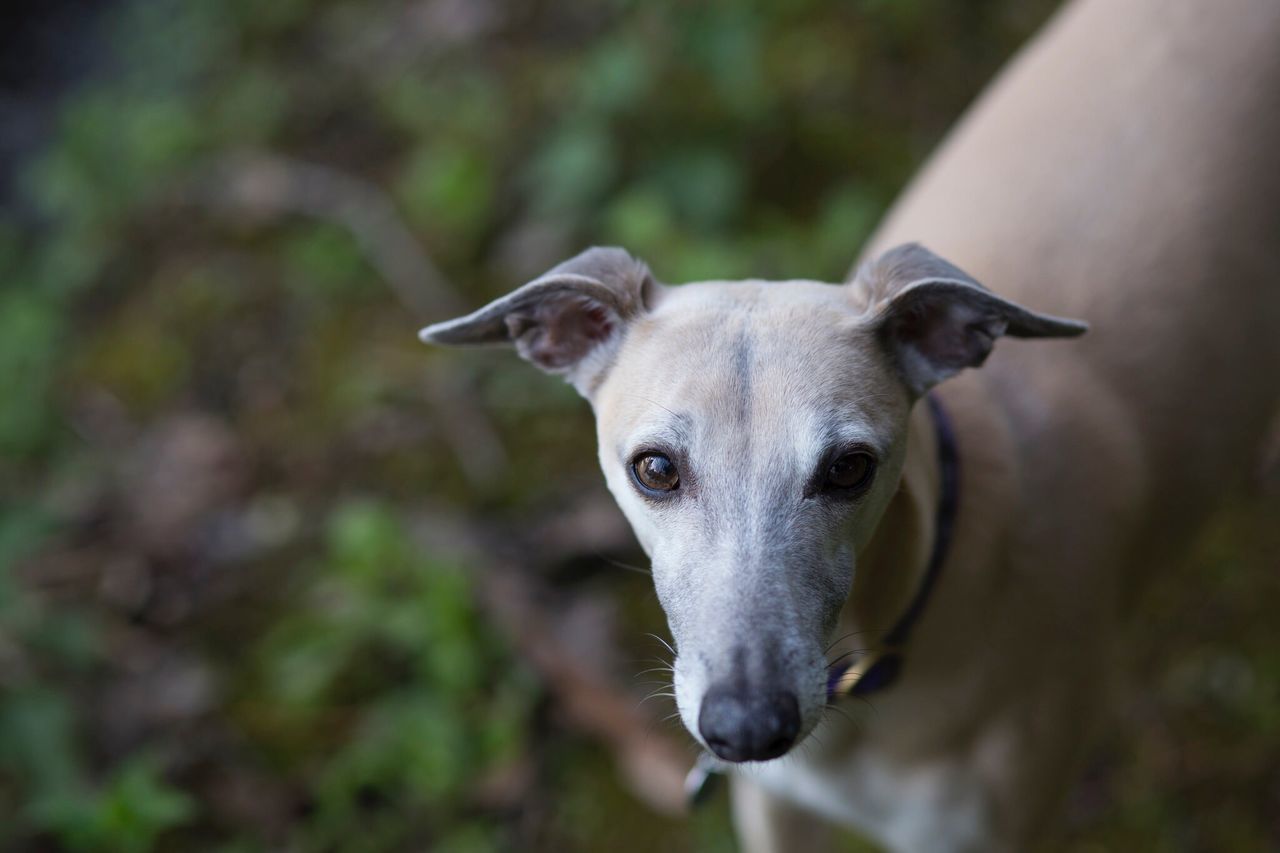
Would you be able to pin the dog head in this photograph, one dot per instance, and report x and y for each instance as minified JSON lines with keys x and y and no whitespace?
{"x":753,"y":433}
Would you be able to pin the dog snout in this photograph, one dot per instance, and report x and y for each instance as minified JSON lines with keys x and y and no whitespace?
{"x":745,"y":725}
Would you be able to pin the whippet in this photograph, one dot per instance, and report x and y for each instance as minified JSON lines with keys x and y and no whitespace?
{"x":970,"y":550}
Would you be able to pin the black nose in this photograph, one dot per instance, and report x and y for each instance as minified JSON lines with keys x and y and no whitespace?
{"x":744,"y":725}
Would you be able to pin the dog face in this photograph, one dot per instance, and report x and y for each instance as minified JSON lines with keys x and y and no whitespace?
{"x":753,"y":434}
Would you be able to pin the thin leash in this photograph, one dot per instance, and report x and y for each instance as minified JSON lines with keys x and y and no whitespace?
{"x":882,"y":666}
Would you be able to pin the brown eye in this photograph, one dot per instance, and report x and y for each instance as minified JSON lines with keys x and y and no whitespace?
{"x":851,"y":472}
{"x":655,"y":472}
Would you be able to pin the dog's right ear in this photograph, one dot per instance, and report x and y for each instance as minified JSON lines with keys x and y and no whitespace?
{"x":568,"y":321}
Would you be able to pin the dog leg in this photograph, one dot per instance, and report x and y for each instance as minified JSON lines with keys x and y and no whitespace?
{"x":766,"y":824}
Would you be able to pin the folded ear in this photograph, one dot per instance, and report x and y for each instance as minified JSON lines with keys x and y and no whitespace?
{"x":935,"y":320}
{"x":567,"y":321}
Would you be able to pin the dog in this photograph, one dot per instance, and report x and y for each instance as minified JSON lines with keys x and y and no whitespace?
{"x":834,"y":503}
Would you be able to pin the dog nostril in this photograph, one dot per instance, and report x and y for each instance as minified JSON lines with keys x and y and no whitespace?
{"x":718,"y":745}
{"x":779,"y":745}
{"x":785,"y":726}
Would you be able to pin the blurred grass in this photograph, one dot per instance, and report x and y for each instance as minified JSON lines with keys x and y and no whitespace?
{"x":217,"y":629}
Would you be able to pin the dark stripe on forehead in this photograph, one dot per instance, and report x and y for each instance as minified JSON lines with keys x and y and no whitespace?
{"x":742,"y":366}
{"x":727,"y":428}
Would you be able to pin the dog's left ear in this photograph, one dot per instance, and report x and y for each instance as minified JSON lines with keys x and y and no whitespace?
{"x":568,"y":321}
{"x":935,"y":319}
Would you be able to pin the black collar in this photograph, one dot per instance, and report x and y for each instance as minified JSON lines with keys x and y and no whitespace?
{"x":880,"y":668}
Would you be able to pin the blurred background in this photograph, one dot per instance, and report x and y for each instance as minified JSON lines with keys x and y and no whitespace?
{"x":275,"y":576}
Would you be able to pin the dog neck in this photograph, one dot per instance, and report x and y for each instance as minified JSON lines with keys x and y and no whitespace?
{"x":892,"y":567}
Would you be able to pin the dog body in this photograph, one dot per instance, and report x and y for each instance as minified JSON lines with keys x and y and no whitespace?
{"x":1125,"y":170}
{"x":765,"y":442}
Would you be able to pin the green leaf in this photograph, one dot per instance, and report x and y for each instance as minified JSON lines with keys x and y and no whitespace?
{"x":128,"y":815}
{"x":571,"y":169}
{"x":37,"y":743}
{"x":447,"y":186}
{"x":31,"y":329}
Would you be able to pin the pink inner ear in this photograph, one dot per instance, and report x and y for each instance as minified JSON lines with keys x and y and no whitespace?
{"x":945,"y":335}
{"x":565,"y":330}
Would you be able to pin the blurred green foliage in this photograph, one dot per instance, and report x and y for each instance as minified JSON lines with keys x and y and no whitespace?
{"x":419,"y":739}
{"x":347,"y":695}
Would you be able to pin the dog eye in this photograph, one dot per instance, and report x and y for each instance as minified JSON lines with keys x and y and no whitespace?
{"x":655,"y":472}
{"x":851,"y":472}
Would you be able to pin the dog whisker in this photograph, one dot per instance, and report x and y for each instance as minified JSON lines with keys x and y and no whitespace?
{"x":640,"y":570}
{"x":836,"y":660}
{"x":665,"y":644}
{"x":841,"y":639}
{"x":653,"y":669}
